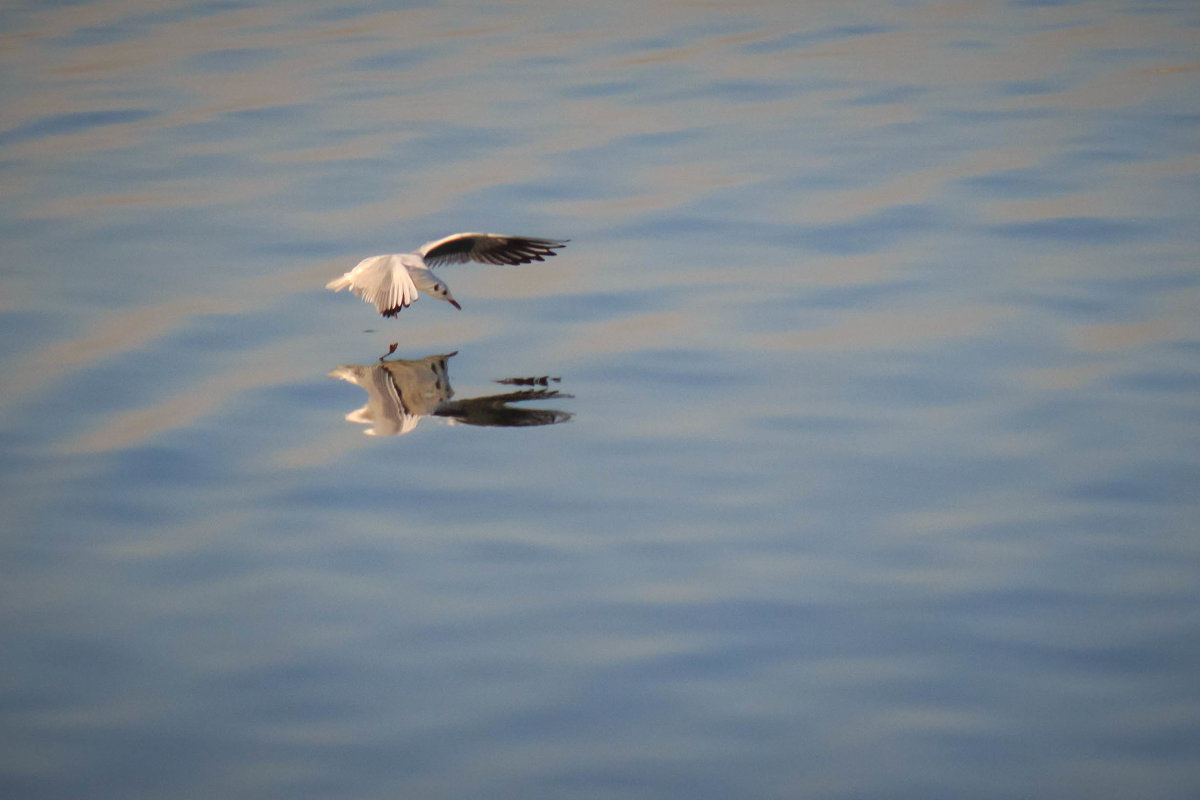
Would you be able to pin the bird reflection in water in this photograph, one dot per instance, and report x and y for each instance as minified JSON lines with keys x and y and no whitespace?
{"x":400,"y":392}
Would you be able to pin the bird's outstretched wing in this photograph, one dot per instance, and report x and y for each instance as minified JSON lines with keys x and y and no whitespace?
{"x":488,"y":248}
{"x":382,"y":280}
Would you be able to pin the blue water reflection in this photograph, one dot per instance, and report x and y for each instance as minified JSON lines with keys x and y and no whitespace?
{"x":879,"y":328}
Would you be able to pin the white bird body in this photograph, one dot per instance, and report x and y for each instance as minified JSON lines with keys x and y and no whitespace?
{"x":393,"y":282}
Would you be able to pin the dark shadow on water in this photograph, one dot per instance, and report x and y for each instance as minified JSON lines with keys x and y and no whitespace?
{"x":400,"y":392}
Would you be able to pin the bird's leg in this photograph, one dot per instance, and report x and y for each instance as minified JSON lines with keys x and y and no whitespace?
{"x":391,"y":349}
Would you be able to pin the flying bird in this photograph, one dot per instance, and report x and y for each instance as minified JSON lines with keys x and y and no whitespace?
{"x":392,"y":281}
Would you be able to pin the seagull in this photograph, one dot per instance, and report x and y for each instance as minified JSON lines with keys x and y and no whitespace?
{"x":392,"y":281}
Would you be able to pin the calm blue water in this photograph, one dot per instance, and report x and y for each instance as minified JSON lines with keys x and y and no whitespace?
{"x":871,"y":469}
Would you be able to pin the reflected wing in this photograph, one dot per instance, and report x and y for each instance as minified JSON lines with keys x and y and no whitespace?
{"x":495,"y":411}
{"x":382,"y":280}
{"x":488,"y":248}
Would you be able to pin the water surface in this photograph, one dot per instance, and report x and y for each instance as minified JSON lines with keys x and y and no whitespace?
{"x":870,"y":469}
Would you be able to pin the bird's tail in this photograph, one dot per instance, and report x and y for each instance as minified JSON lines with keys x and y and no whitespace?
{"x":340,"y":283}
